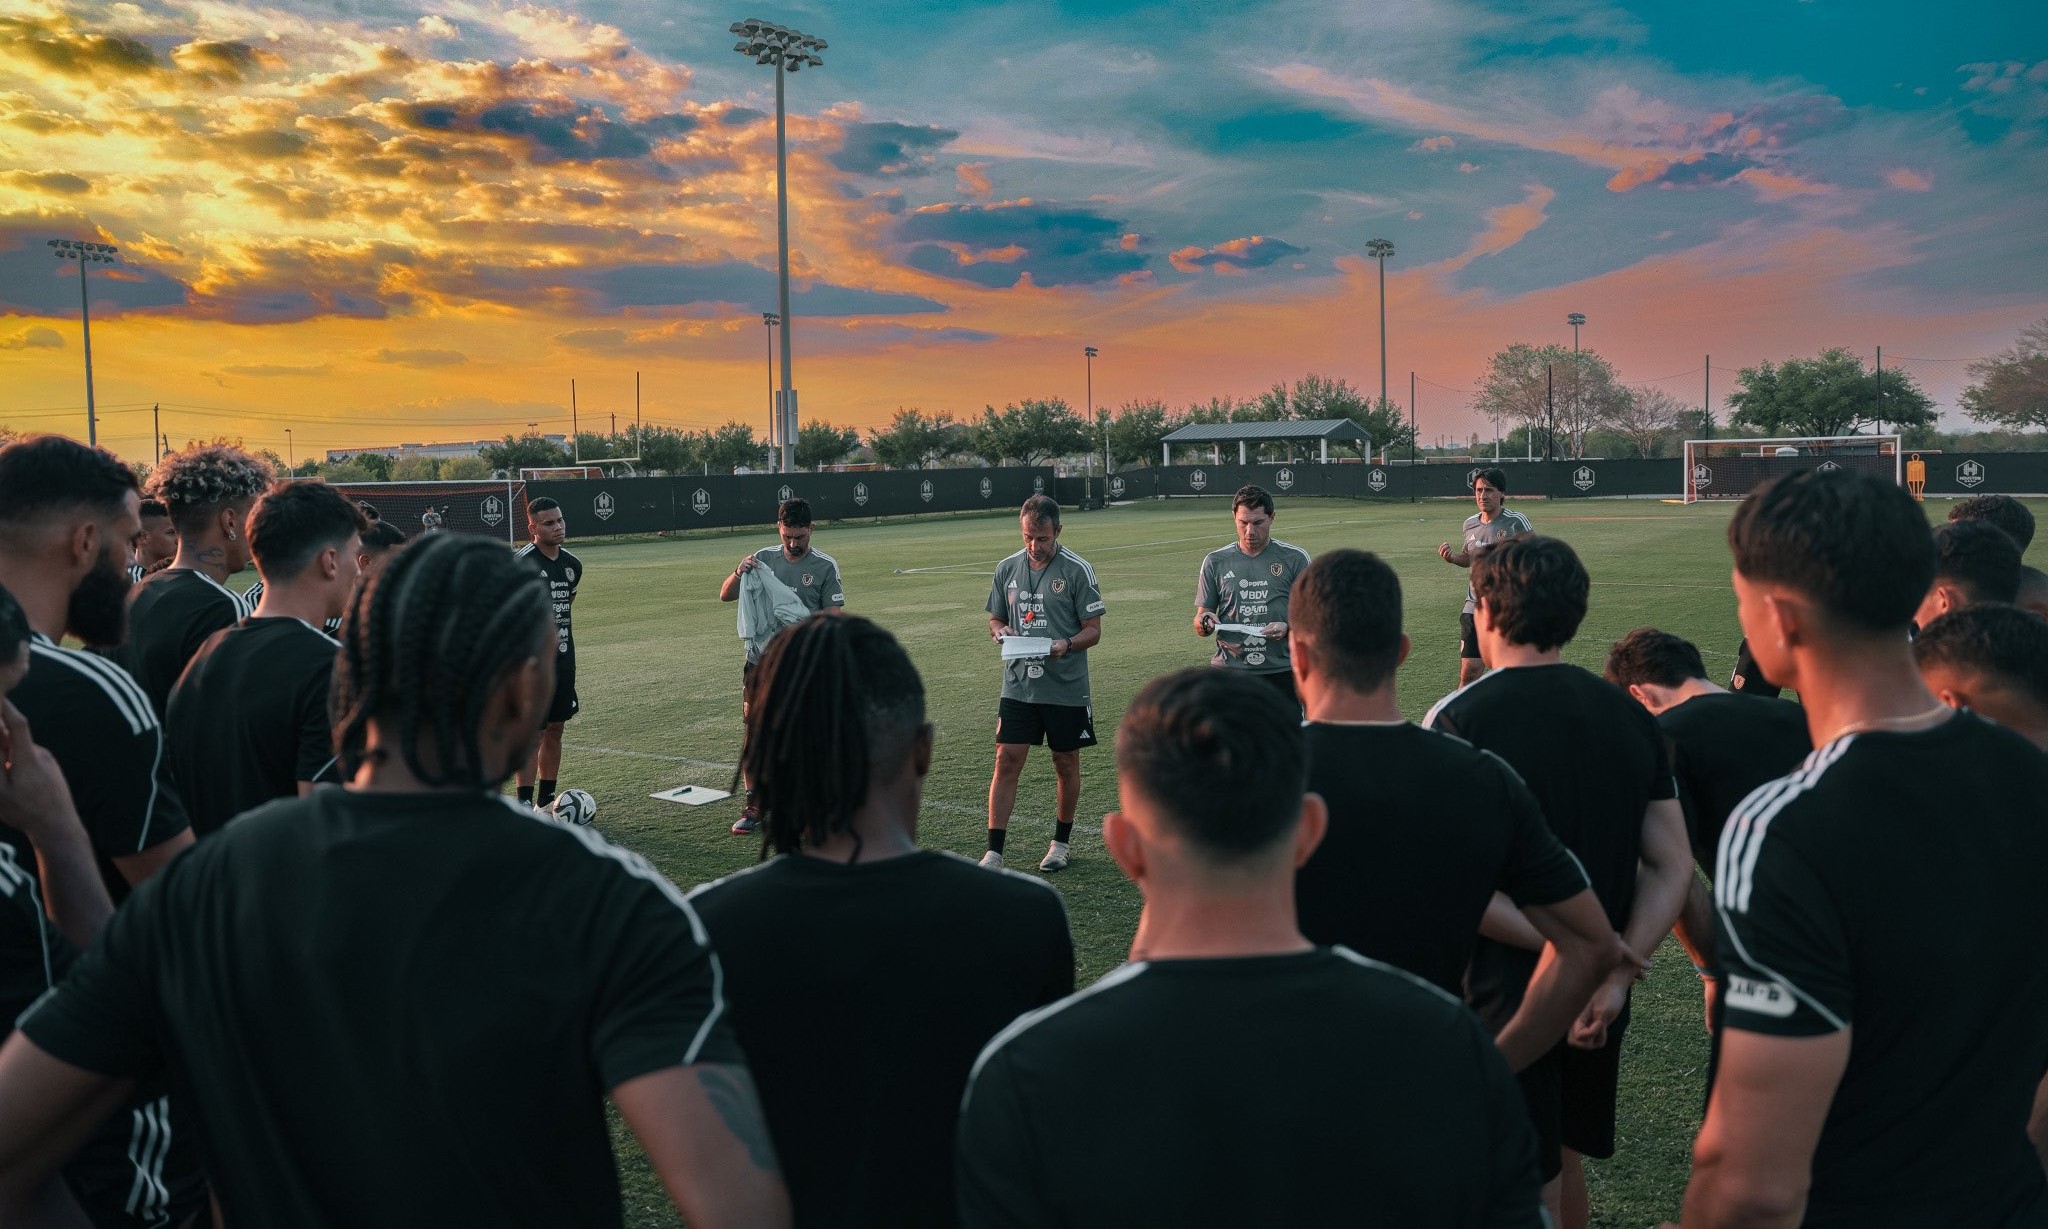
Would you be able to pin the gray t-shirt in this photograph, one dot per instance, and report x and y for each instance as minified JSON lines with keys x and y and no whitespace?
{"x":815,"y":577}
{"x":1481,"y":534}
{"x":1053,"y":604}
{"x":1251,"y":589}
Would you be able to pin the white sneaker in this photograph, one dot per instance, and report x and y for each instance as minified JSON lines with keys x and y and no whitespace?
{"x":992,"y":859}
{"x":1055,"y":858}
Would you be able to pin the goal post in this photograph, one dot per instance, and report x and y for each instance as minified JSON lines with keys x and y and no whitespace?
{"x":542,"y":473}
{"x":1735,"y":468}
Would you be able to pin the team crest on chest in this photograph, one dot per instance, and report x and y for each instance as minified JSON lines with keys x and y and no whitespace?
{"x":1276,"y":569}
{"x":571,"y":574}
{"x":1059,"y":586}
{"x":807,"y":578}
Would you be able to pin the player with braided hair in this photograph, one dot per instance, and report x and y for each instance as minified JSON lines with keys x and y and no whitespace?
{"x":852,"y":913}
{"x":412,"y":914}
{"x":208,"y":491}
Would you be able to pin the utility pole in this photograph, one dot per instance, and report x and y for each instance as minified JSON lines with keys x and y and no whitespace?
{"x":1411,"y":437}
{"x":1707,"y":399}
{"x":156,"y":429}
{"x":1879,"y":382}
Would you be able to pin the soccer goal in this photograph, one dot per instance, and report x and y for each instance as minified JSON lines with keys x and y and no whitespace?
{"x":541,"y":473}
{"x":1734,"y":469}
{"x":494,"y":508}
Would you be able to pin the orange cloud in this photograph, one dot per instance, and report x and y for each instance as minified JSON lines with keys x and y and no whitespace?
{"x":973,"y":177}
{"x":1906,"y":179}
{"x":1777,"y":186}
{"x":1430,"y":145}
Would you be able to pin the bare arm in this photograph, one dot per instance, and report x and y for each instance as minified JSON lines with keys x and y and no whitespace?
{"x":1663,"y":872}
{"x":48,"y":1108}
{"x":136,"y":868}
{"x":730,"y":590}
{"x":1695,"y":929}
{"x":35,"y":801}
{"x":1460,"y":557}
{"x":1088,"y":637}
{"x":1205,"y":621}
{"x":2037,"y":1125}
{"x":705,"y":1134}
{"x":1504,"y":923}
{"x":1753,"y":1162}
{"x":1582,"y":949}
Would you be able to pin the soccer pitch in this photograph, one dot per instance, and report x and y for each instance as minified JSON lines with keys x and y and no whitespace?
{"x":659,"y":676}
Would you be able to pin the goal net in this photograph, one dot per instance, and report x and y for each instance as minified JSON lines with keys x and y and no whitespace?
{"x":494,"y":508}
{"x":542,"y":473}
{"x":1734,"y":469}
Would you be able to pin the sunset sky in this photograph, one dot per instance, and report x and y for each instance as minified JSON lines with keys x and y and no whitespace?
{"x":372,"y":226}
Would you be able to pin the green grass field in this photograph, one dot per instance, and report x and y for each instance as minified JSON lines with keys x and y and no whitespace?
{"x":659,"y":676}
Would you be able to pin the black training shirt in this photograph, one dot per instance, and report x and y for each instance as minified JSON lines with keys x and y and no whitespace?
{"x":1724,"y":745}
{"x":87,"y":713}
{"x":1312,"y":1089}
{"x":1424,"y":828}
{"x":1893,"y":885}
{"x":170,"y":615}
{"x":862,"y":995}
{"x":561,"y":575}
{"x":1595,"y":760}
{"x":398,"y":1009}
{"x":248,"y":721}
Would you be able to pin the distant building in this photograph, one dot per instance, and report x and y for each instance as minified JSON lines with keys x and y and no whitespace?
{"x":443,"y":452}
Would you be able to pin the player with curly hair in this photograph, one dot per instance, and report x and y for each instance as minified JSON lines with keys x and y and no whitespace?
{"x":209,"y":491}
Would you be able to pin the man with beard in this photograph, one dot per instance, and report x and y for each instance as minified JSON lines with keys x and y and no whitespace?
{"x":209,"y":492}
{"x":67,"y":518}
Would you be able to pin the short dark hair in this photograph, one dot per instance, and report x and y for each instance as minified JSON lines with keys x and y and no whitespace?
{"x":14,"y":628}
{"x":1221,"y":754}
{"x":1345,"y":608}
{"x":422,"y":647}
{"x":1980,"y":557}
{"x":1493,"y":476}
{"x":381,"y":536}
{"x":295,"y":522}
{"x":1042,"y":508}
{"x":2003,"y":511}
{"x":1249,"y":496}
{"x":369,"y":510}
{"x":834,"y":699}
{"x":2006,"y":643}
{"x":1649,"y":655}
{"x":44,"y":474}
{"x":538,"y":506}
{"x":154,"y":507}
{"x":795,"y":513}
{"x":197,"y":483}
{"x":1854,"y":544}
{"x":1535,"y":588}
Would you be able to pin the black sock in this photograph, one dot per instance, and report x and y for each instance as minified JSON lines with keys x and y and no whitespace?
{"x":995,"y":838}
{"x":526,"y":794}
{"x":547,"y":792}
{"x":1063,"y":832}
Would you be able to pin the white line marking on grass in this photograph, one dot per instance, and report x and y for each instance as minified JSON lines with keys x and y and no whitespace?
{"x":951,"y":808}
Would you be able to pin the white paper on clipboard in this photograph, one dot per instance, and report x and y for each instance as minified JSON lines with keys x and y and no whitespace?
{"x":1242,"y":629}
{"x":691,"y":795}
{"x":1019,"y":648}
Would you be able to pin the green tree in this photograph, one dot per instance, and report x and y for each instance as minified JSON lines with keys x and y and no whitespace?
{"x":593,"y":446}
{"x":1830,"y":394}
{"x":1044,"y":429}
{"x":1135,"y":431}
{"x":664,"y":449}
{"x":1513,"y":390}
{"x":1205,"y":413}
{"x":2010,"y":389}
{"x":351,"y":470}
{"x":1273,"y":405}
{"x":416,"y":467}
{"x":1645,"y":417}
{"x":376,"y":464}
{"x":819,"y":444}
{"x":989,"y":437}
{"x":730,"y":447}
{"x":529,"y":451}
{"x":914,"y":439}
{"x":464,"y":469}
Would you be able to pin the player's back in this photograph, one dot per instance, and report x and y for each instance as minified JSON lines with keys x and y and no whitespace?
{"x":1308,"y":1089}
{"x":1424,"y":828}
{"x":401,"y":1009}
{"x":909,"y":965}
{"x":170,"y":615}
{"x":1723,"y":746}
{"x":1891,"y":886}
{"x":248,"y":718}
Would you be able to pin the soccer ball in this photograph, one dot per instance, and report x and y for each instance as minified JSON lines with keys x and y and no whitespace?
{"x":575,"y":806}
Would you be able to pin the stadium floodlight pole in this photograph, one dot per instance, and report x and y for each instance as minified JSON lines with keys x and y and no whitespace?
{"x":1088,"y":354}
{"x":770,"y":319}
{"x":1380,"y":249}
{"x":787,"y":51}
{"x":87,"y":254}
{"x":290,"y":458}
{"x":1575,"y":320}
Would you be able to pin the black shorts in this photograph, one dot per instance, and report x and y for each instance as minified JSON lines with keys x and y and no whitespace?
{"x":1062,"y":727}
{"x":1281,"y":681}
{"x":1571,"y":1094}
{"x":564,"y":705}
{"x":1468,"y":637}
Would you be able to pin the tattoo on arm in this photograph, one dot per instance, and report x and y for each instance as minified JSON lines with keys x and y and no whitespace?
{"x":732,"y":1094}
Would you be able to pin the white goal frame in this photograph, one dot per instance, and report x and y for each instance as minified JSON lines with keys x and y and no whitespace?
{"x":529,"y":473}
{"x":1695,"y":491}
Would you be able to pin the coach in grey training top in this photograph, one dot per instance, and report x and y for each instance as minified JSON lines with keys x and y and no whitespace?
{"x":1246,"y":584}
{"x":1047,"y":592}
{"x":1493,"y":523}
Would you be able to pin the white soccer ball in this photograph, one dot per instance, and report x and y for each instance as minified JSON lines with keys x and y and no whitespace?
{"x":574,"y":806}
